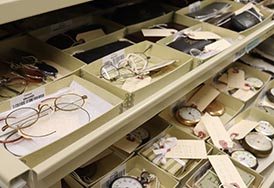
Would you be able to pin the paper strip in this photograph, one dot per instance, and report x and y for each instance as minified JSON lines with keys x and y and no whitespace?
{"x":202,"y":35}
{"x":158,"y":32}
{"x":188,"y":149}
{"x":242,"y":128}
{"x":235,"y":78}
{"x":216,"y":131}
{"x":204,"y":96}
{"x":226,"y":171}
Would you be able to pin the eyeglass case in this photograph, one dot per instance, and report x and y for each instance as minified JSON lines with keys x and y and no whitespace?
{"x":94,"y":54}
{"x":136,"y":13}
{"x":245,"y":20}
{"x":209,"y":11}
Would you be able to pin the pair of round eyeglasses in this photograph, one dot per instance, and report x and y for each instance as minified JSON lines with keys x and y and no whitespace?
{"x":24,"y":117}
{"x":133,"y":64}
{"x":12,"y":85}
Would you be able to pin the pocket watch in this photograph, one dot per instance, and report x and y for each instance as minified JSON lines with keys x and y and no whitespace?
{"x":132,"y":182}
{"x":255,"y":82}
{"x":270,"y":94}
{"x":126,"y":182}
{"x":245,"y":158}
{"x":258,"y":144}
{"x":188,"y":115}
{"x":215,"y":108}
{"x":265,"y":128}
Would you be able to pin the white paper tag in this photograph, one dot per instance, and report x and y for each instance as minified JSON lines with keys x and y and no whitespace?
{"x":241,"y":129}
{"x":226,"y":171}
{"x":244,"y":95}
{"x":218,"y":46}
{"x":158,"y":32}
{"x":114,"y":58}
{"x":200,"y":130}
{"x":203,"y":97}
{"x":217,"y":131}
{"x":235,"y":78}
{"x":27,"y":97}
{"x":159,"y":66}
{"x":202,"y":35}
{"x":133,"y":84}
{"x":106,"y":181}
{"x":89,"y":35}
{"x":188,"y":149}
{"x":194,"y":7}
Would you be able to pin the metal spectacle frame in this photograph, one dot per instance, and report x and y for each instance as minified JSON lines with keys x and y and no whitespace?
{"x":133,"y":64}
{"x":32,"y":63}
{"x":12,"y":85}
{"x":24,"y":117}
{"x":29,"y":66}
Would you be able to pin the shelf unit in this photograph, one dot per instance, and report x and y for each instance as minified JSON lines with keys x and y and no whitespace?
{"x":12,"y":10}
{"x":55,"y":167}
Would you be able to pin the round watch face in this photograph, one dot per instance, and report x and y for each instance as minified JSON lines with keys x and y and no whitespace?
{"x":265,"y":128}
{"x":188,"y":115}
{"x":126,"y":182}
{"x":258,"y":144}
{"x":215,"y":108}
{"x":255,"y":82}
{"x":245,"y":158}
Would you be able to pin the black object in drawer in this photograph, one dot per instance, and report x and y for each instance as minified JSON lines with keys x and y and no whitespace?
{"x":185,"y":44}
{"x":68,"y":38}
{"x":136,"y":13}
{"x":97,"y":53}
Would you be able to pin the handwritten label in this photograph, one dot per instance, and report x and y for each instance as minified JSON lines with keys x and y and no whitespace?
{"x":204,"y":96}
{"x":216,"y":131}
{"x":188,"y":149}
{"x":27,"y":97}
{"x":158,"y":32}
{"x":226,"y":171}
{"x":242,"y":128}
